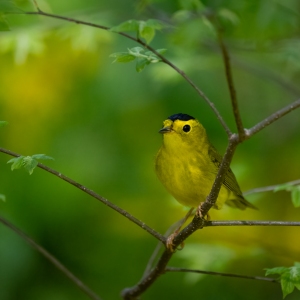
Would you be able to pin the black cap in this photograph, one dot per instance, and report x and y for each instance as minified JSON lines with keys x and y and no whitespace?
{"x":181,"y":117}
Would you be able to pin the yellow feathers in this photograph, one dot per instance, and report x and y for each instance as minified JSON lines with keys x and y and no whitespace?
{"x":187,"y":165}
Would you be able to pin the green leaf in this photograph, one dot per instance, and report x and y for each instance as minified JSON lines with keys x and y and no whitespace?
{"x":123,"y":57}
{"x":2,"y":197}
{"x":145,"y":29}
{"x":3,"y":23}
{"x":289,"y":277}
{"x":143,"y":58}
{"x":136,"y":51}
{"x":3,"y":123}
{"x":286,"y":285}
{"x":296,"y":196}
{"x":7,"y":6}
{"x":156,"y":24}
{"x":161,"y":51}
{"x":277,"y":270}
{"x":147,"y":33}
{"x":130,"y":25}
{"x":28,"y":162}
{"x":17,"y":162}
{"x":283,"y":187}
{"x":141,"y":64}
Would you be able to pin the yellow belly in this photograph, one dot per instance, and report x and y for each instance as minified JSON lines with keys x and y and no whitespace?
{"x":189,"y":183}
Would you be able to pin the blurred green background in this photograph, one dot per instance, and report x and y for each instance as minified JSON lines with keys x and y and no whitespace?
{"x":62,"y":96}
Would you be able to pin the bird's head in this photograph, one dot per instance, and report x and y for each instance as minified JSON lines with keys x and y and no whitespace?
{"x":182,"y":130}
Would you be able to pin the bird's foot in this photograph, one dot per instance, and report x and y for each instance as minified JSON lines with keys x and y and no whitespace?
{"x":170,"y":239}
{"x":199,"y":213}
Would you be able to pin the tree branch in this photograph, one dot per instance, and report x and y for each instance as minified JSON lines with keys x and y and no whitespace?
{"x":250,"y":223}
{"x":165,"y":60}
{"x":172,"y":269}
{"x":272,"y":118}
{"x":96,"y":196}
{"x":228,"y":72}
{"x":270,"y":188}
{"x":52,"y":259}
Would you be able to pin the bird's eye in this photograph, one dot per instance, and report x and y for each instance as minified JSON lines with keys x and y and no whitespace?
{"x":186,"y":128}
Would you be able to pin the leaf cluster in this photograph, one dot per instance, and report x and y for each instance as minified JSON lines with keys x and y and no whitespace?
{"x":143,"y":29}
{"x":142,"y":57}
{"x":28,"y":162}
{"x":289,"y":277}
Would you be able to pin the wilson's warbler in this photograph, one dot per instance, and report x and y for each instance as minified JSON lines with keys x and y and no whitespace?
{"x":187,"y":165}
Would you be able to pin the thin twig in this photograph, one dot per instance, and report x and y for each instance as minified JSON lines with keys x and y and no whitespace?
{"x":123,"y":212}
{"x":138,"y":40}
{"x":36,"y":6}
{"x":270,"y":188}
{"x":159,"y":245}
{"x":171,"y":269}
{"x":52,"y":259}
{"x":272,"y":118}
{"x":228,"y":72}
{"x":250,"y":223}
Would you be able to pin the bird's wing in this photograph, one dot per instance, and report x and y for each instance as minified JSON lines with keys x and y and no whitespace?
{"x":230,"y":181}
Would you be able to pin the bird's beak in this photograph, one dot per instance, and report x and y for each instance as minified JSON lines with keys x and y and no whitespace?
{"x":166,"y":129}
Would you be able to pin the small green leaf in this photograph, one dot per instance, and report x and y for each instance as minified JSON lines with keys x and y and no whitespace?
{"x":277,"y":270}
{"x":289,"y":277}
{"x":130,"y":25}
{"x":161,"y":51}
{"x":3,"y":23}
{"x":2,"y":198}
{"x":296,"y":195}
{"x":17,"y":162}
{"x":28,"y":162}
{"x":7,"y":6}
{"x":284,"y":187}
{"x":42,"y":156}
{"x":3,"y":123}
{"x":156,"y":24}
{"x":286,"y":285}
{"x":136,"y":50}
{"x":122,"y":57}
{"x":141,"y":64}
{"x":147,"y":33}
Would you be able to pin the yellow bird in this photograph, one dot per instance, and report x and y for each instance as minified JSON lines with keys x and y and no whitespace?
{"x":187,"y":165}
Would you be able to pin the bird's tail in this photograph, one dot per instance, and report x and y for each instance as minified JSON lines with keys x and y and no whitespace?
{"x":240,"y":203}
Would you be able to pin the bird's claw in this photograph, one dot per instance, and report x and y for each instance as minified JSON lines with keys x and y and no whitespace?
{"x":170,"y":240}
{"x":200,"y":214}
